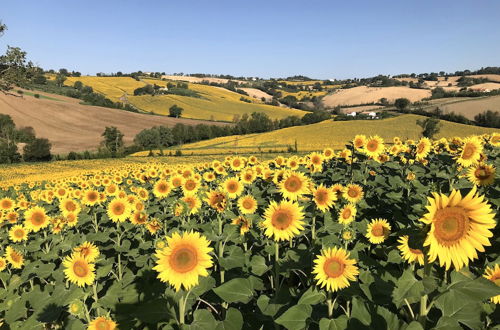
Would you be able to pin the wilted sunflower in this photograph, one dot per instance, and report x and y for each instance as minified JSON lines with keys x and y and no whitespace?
{"x":36,"y":219}
{"x":283,"y":220}
{"x":102,"y":323}
{"x":323,"y":197}
{"x":244,"y":224}
{"x":493,"y":274}
{"x":161,"y":189}
{"x":79,"y":270}
{"x":232,"y":187}
{"x":481,"y":174}
{"x":87,"y":250}
{"x":470,"y":152}
{"x":334,"y":269}
{"x":153,"y":226}
{"x":347,"y":214}
{"x":377,"y":231}
{"x":408,"y":253}
{"x":247,"y":204}
{"x":294,"y":185}
{"x":119,"y":210}
{"x":459,"y":227}
{"x":216,"y":200}
{"x":18,"y":233}
{"x":353,"y":193}
{"x":183,"y":260}
{"x":374,"y":146}
{"x":14,"y":258}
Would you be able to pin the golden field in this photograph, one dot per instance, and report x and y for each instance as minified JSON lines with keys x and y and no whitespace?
{"x":328,"y":133}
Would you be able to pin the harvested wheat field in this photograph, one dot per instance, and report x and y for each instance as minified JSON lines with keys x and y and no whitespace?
{"x":485,"y":87}
{"x":257,"y":93}
{"x":361,"y":108}
{"x":199,"y":80}
{"x":364,"y":95}
{"x":490,"y":77}
{"x":472,"y":107}
{"x":70,"y":126}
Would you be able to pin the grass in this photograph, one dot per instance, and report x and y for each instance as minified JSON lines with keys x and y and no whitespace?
{"x":326,"y":134}
{"x":43,"y":96}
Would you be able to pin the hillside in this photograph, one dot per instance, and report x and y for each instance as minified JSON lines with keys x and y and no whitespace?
{"x":364,"y":95}
{"x":472,"y":107}
{"x":214,"y":103}
{"x":71,"y":126}
{"x":325,"y":134}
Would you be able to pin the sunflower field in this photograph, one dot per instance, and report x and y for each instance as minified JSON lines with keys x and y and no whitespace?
{"x":375,"y":236}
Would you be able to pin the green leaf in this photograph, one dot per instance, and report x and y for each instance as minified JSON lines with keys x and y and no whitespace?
{"x":203,"y":320}
{"x":340,"y":323}
{"x":295,"y":317}
{"x":234,"y":257}
{"x":233,"y":321}
{"x":258,"y":264}
{"x":312,"y":297}
{"x":414,"y":325}
{"x":360,"y":311}
{"x":236,"y":290}
{"x":17,"y":308}
{"x":407,"y":287}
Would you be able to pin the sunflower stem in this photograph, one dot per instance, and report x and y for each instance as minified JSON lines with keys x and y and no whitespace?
{"x":313,"y":229}
{"x":95,"y":292}
{"x":423,"y":300}
{"x":182,"y":307}
{"x":276,"y":266}
{"x":118,"y":243}
{"x":96,"y":225}
{"x":330,"y":303}
{"x":221,"y":248}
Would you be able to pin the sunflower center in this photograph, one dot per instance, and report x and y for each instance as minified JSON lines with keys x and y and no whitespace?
{"x":451,"y":224}
{"x":347,"y":213}
{"x":379,"y":230}
{"x":162,"y":187}
{"x":420,"y":148}
{"x":321,"y":196}
{"x":281,"y":219}
{"x":372,"y":145}
{"x":92,"y":196}
{"x":6,"y":204}
{"x":469,"y":150}
{"x":334,"y":268}
{"x":352,"y":193}
{"x":176,"y":182}
{"x":183,"y":259}
{"x":80,"y":269}
{"x":85,"y":251}
{"x":415,"y":251}
{"x":70,"y":206}
{"x":316,"y":160}
{"x":102,"y":325}
{"x":15,"y":257}
{"x":190,"y":185}
{"x":38,"y":218}
{"x":118,"y":209}
{"x":247,"y":204}
{"x":19,"y":233}
{"x":293,"y":184}
{"x":232,"y":187}
{"x":482,"y":173}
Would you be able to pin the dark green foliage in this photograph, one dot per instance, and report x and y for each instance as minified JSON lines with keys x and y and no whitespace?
{"x":315,"y":117}
{"x":37,"y":150}
{"x":488,"y":118}
{"x":402,"y":103}
{"x":175,"y":111}
{"x":113,"y":140}
{"x":430,"y":126}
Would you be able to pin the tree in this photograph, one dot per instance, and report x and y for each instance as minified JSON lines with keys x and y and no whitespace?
{"x":9,"y":153}
{"x":402,"y":103}
{"x":60,"y":79}
{"x":430,"y":127}
{"x":113,"y":139}
{"x":148,"y":139}
{"x":488,"y":118}
{"x":37,"y":150}
{"x":175,"y":111}
{"x":315,"y":117}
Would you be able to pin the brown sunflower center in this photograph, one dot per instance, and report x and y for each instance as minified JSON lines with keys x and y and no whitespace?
{"x":183,"y":259}
{"x":6,"y":204}
{"x":118,"y":208}
{"x":232,"y":187}
{"x":321,"y":196}
{"x":352,"y":192}
{"x":372,"y":145}
{"x":451,"y":224}
{"x":468,"y":151}
{"x":420,"y":148}
{"x":281,"y":219}
{"x":247,"y":203}
{"x":70,"y":206}
{"x":347,"y":213}
{"x":19,"y":233}
{"x":162,"y":187}
{"x":379,"y":230}
{"x":80,"y":268}
{"x":482,"y":173}
{"x":190,"y":185}
{"x":293,"y":184}
{"x":415,"y":251}
{"x":38,"y":218}
{"x":334,"y":268}
{"x":316,"y":160}
{"x":102,"y":325}
{"x":92,"y":196}
{"x":85,"y":251}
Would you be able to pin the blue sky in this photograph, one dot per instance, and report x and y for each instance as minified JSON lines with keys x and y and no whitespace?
{"x":321,"y":39}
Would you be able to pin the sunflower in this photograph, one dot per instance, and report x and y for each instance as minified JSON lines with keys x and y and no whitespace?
{"x":347,"y":235}
{"x":459,"y":227}
{"x":470,"y":152}
{"x":248,"y":176}
{"x":294,"y":185}
{"x":161,"y":189}
{"x":209,"y":176}
{"x":76,"y":308}
{"x":408,"y":253}
{"x":87,"y":250}
{"x":183,"y":260}
{"x":90,"y":197}
{"x":338,"y":190}
{"x":102,"y":323}
{"x":247,"y":204}
{"x":347,"y":214}
{"x":177,"y":181}
{"x":283,"y":220}
{"x":423,"y":148}
{"x":119,"y":210}
{"x":323,"y":197}
{"x":216,"y":200}
{"x":495,"y":139}
{"x":493,"y":274}
{"x":193,"y":203}
{"x":6,"y":204}
{"x":374,"y":146}
{"x":481,"y":174}
{"x":316,"y":161}
{"x":14,"y":258}
{"x":359,"y":141}
{"x":244,"y":223}
{"x":143,"y":194}
{"x":353,"y":193}
{"x":36,"y":219}
{"x":69,"y":206}
{"x":18,"y":233}
{"x":377,"y":231}
{"x":190,"y":186}
{"x":153,"y":226}
{"x":79,"y":270}
{"x":3,"y":263}
{"x":237,"y":164}
{"x":334,"y":269}
{"x":232,"y":187}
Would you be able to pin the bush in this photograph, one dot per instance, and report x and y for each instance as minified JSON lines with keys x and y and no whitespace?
{"x":37,"y":96}
{"x":37,"y":150}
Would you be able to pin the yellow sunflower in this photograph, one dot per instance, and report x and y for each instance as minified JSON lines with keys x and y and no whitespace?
{"x":69,"y":206}
{"x":470,"y":152}
{"x":248,"y":176}
{"x":6,"y":204}
{"x":316,"y":162}
{"x":347,"y":214}
{"x":237,"y":163}
{"x":493,"y":274}
{"x":190,"y":186}
{"x":183,"y":260}
{"x":247,"y":204}
{"x":423,"y":148}
{"x":323,"y":197}
{"x":193,"y":203}
{"x":36,"y":219}
{"x":14,"y":258}
{"x":90,"y":197}
{"x":232,"y":187}
{"x":161,"y":189}
{"x":353,"y":193}
{"x":216,"y":200}
{"x":18,"y":233}
{"x":359,"y":141}
{"x":209,"y":176}
{"x":283,"y":220}
{"x":87,"y":250}
{"x":408,"y":253}
{"x":3,"y":263}
{"x":102,"y":323}
{"x":119,"y":210}
{"x":293,"y":185}
{"x":334,"y":269}
{"x":79,"y":270}
{"x":459,"y":227}
{"x":377,"y":231}
{"x":244,"y":223}
{"x":481,"y":174}
{"x":495,"y":139}
{"x":374,"y":146}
